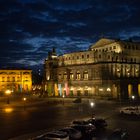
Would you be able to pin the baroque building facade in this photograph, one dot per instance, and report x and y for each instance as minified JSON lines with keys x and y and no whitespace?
{"x":15,"y":80}
{"x":109,"y":68}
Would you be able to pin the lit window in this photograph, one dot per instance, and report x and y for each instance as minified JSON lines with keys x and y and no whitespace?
{"x":3,"y":79}
{"x":78,"y":75}
{"x":13,"y":79}
{"x":71,"y":76}
{"x":8,"y":79}
{"x":85,"y":75}
{"x":59,"y":76}
{"x":114,"y":47}
{"x":65,"y":75}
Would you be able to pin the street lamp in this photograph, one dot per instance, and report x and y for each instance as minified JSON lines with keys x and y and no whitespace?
{"x":133,"y":98}
{"x":63,"y":98}
{"x":24,"y":100}
{"x":92,"y":104}
{"x":8,"y":92}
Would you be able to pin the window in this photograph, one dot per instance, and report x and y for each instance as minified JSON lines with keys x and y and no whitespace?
{"x":88,"y":56}
{"x":18,"y":78}
{"x":85,"y":75}
{"x":110,"y":48}
{"x":108,"y":56}
{"x":13,"y":79}
{"x":99,"y":56}
{"x":77,"y":57}
{"x":82,"y":56}
{"x":65,"y":75}
{"x":3,"y":79}
{"x":78,"y":75}
{"x":8,"y":79}
{"x":116,"y":58}
{"x":59,"y":76}
{"x":114,"y":47}
{"x":71,"y":76}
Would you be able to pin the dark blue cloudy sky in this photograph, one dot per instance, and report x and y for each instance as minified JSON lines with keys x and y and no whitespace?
{"x":30,"y":28}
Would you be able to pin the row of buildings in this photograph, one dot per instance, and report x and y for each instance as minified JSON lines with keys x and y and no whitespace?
{"x":109,"y":68}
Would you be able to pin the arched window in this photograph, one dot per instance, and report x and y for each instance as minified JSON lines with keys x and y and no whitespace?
{"x":78,"y":75}
{"x":71,"y":75}
{"x":65,"y":75}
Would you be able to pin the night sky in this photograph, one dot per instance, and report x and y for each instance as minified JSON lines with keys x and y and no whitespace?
{"x":30,"y":28}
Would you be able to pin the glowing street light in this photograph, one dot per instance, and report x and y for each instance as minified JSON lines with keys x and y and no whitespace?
{"x":24,"y":100}
{"x":8,"y":92}
{"x":63,"y":98}
{"x":133,"y":97}
{"x":92,"y":104}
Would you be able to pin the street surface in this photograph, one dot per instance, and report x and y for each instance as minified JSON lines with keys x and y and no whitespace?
{"x":31,"y":120}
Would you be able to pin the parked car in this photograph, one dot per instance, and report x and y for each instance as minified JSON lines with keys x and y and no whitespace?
{"x":99,"y":123}
{"x":53,"y":135}
{"x":130,"y":110}
{"x":77,"y":100}
{"x":74,"y":134}
{"x":87,"y":130}
{"x":119,"y":134}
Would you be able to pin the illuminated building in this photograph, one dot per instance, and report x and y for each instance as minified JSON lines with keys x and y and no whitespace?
{"x":15,"y":80}
{"x":109,"y":68}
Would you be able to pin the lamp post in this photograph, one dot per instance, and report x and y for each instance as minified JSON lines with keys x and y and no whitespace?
{"x":133,"y":99}
{"x":92,"y":104}
{"x":24,"y":100}
{"x":8,"y":92}
{"x":63,"y":98}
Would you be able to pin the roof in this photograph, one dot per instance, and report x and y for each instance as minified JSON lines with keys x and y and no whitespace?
{"x":102,"y":42}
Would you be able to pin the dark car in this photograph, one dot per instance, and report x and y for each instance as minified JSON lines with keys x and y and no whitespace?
{"x":119,"y":134}
{"x":88,"y":130}
{"x":74,"y":134}
{"x":99,"y":123}
{"x":77,"y":100}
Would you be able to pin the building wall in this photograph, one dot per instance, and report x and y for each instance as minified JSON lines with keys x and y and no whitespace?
{"x":15,"y":80}
{"x":109,"y":68}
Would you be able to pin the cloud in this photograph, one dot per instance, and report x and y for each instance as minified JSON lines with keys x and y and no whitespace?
{"x":30,"y":28}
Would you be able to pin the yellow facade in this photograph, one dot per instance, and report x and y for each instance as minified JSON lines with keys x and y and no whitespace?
{"x":15,"y":80}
